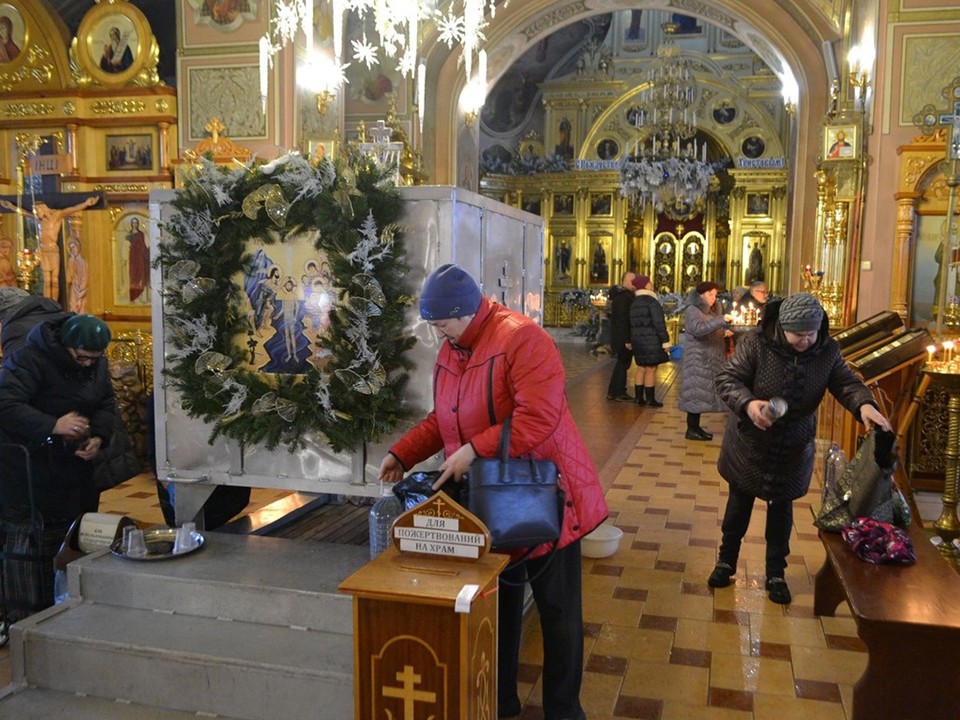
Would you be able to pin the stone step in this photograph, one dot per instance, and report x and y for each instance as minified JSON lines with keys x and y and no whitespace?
{"x":31,"y":703}
{"x":187,"y":663}
{"x":238,"y":577}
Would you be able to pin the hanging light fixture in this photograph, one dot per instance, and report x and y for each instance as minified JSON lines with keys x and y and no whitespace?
{"x":396,"y":26}
{"x":664,"y":167}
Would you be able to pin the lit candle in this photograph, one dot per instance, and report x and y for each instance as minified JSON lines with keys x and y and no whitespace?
{"x":948,"y":350}
{"x":931,"y":349}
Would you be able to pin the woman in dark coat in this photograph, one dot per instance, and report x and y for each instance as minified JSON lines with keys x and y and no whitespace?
{"x":56,"y":400}
{"x":705,"y":327}
{"x":648,"y":338}
{"x":790,"y":356}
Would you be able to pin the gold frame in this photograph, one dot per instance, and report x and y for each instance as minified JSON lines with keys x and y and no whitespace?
{"x":95,"y":26}
{"x":118,"y":230}
{"x":830,"y":133}
{"x":19,"y":22}
{"x":601,"y":204}
{"x":762,"y":210}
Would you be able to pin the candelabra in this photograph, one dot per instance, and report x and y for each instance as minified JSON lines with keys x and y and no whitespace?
{"x":943,"y":369}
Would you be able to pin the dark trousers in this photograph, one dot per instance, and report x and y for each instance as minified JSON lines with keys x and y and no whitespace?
{"x":736,"y":519}
{"x":556,"y":592}
{"x":618,"y":378}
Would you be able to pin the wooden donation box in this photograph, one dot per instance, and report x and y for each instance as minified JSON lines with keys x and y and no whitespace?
{"x":425,"y":619}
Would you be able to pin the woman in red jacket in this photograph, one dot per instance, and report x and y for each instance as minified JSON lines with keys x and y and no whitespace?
{"x":496,"y":364}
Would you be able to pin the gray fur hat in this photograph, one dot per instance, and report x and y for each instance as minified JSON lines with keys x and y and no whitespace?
{"x":801,"y":313}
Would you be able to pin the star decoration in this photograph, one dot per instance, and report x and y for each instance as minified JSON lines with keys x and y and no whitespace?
{"x":365,"y":52}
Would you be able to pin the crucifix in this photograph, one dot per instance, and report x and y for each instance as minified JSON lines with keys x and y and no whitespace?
{"x":49,"y":211}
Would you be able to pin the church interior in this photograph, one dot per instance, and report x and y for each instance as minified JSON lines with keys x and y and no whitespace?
{"x":811,"y":144}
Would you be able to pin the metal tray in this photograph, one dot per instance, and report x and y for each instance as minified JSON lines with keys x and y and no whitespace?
{"x":159,"y":543}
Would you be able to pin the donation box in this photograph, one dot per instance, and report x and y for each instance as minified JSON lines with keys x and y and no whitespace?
{"x":425,"y":619}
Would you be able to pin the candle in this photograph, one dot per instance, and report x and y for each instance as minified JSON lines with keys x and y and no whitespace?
{"x":931,"y":349}
{"x":948,"y":350}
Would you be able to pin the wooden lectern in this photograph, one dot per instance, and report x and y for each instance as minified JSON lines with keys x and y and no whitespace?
{"x":425,"y":619}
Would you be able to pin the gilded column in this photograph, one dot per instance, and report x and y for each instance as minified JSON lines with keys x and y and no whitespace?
{"x":902,"y":250}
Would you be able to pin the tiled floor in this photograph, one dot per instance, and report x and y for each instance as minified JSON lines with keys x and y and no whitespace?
{"x":662,"y":645}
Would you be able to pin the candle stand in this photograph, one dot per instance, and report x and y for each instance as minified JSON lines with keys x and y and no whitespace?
{"x":946,"y":375}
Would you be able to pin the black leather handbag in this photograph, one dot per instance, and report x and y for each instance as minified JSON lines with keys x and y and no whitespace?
{"x":518,"y":499}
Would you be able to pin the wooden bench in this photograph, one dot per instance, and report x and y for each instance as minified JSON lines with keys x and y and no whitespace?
{"x":909,"y":618}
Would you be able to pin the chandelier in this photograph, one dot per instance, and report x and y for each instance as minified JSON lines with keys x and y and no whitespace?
{"x":396,"y":26}
{"x":664,"y":168}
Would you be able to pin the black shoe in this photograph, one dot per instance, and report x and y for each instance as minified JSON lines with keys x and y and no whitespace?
{"x":778,"y":591}
{"x":620,"y":398}
{"x":698,"y":434}
{"x":720,"y":577}
{"x":654,"y":403}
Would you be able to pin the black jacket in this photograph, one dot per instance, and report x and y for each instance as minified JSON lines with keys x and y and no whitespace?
{"x":39,"y":383}
{"x":648,"y":329}
{"x":620,"y":301}
{"x":777,"y":463}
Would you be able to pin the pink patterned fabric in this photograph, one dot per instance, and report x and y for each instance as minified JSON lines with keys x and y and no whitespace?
{"x":879,"y":542}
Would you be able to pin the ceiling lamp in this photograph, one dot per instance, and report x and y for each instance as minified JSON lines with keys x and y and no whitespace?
{"x":664,"y":167}
{"x":396,"y":26}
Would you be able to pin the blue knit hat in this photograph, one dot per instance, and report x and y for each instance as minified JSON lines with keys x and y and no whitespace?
{"x":449,"y":292}
{"x":85,"y":332}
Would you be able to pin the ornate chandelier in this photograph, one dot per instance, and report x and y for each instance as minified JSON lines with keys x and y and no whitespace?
{"x":396,"y":26}
{"x":664,"y":168}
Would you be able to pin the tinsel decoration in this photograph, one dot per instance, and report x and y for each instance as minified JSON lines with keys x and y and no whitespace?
{"x":351,"y":208}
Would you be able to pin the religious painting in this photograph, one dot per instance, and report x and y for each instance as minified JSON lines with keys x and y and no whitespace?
{"x":601,"y":204}
{"x":753,"y":147}
{"x":223,"y":15}
{"x":129,"y":152}
{"x":131,"y":257}
{"x":531,"y":205}
{"x":686,"y":25}
{"x":288,"y":295}
{"x":608,"y":149}
{"x":563,"y":204}
{"x":563,"y":259}
{"x":724,"y":113}
{"x":114,"y":43}
{"x":635,"y":33}
{"x":325,"y":148}
{"x":370,"y":89}
{"x":13,"y":34}
{"x":840,"y":142}
{"x":927,"y":259}
{"x":599,"y":259}
{"x":758,"y":204}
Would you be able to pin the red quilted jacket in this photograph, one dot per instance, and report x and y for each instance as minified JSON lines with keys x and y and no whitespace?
{"x":505,"y":364}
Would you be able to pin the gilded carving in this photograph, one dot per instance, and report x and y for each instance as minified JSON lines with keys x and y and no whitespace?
{"x":35,"y":66}
{"x":552,"y":18}
{"x":27,"y":109}
{"x":119,"y":107}
{"x":69,"y":108}
{"x":122,"y":188}
{"x":162,"y":105}
{"x":230,"y":93}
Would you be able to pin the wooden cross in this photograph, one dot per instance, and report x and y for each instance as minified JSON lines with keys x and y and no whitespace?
{"x":408,"y":693}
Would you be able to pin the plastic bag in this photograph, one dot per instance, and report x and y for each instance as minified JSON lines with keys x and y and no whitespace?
{"x":879,"y":542}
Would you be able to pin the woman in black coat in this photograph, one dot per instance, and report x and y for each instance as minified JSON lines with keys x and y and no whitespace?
{"x":790,"y":356}
{"x":621,"y":297}
{"x":649,"y":339}
{"x":57,"y":401}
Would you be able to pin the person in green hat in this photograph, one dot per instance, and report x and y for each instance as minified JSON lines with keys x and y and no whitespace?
{"x":57,"y":404}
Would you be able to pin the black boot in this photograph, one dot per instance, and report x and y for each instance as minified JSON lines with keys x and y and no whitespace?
{"x":651,"y":393}
{"x":638,"y":394}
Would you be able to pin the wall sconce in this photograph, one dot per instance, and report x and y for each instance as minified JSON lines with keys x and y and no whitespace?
{"x":324,"y":98}
{"x":475,"y":93}
{"x":858,"y":59}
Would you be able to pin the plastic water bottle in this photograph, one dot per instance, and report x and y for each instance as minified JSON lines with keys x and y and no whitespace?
{"x":60,"y":592}
{"x":833,"y":466}
{"x":384,"y":511}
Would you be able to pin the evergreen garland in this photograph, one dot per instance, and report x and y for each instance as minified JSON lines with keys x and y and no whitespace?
{"x":357,"y":396}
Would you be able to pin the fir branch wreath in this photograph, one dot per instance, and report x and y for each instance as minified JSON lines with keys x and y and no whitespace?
{"x":354,"y":394}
